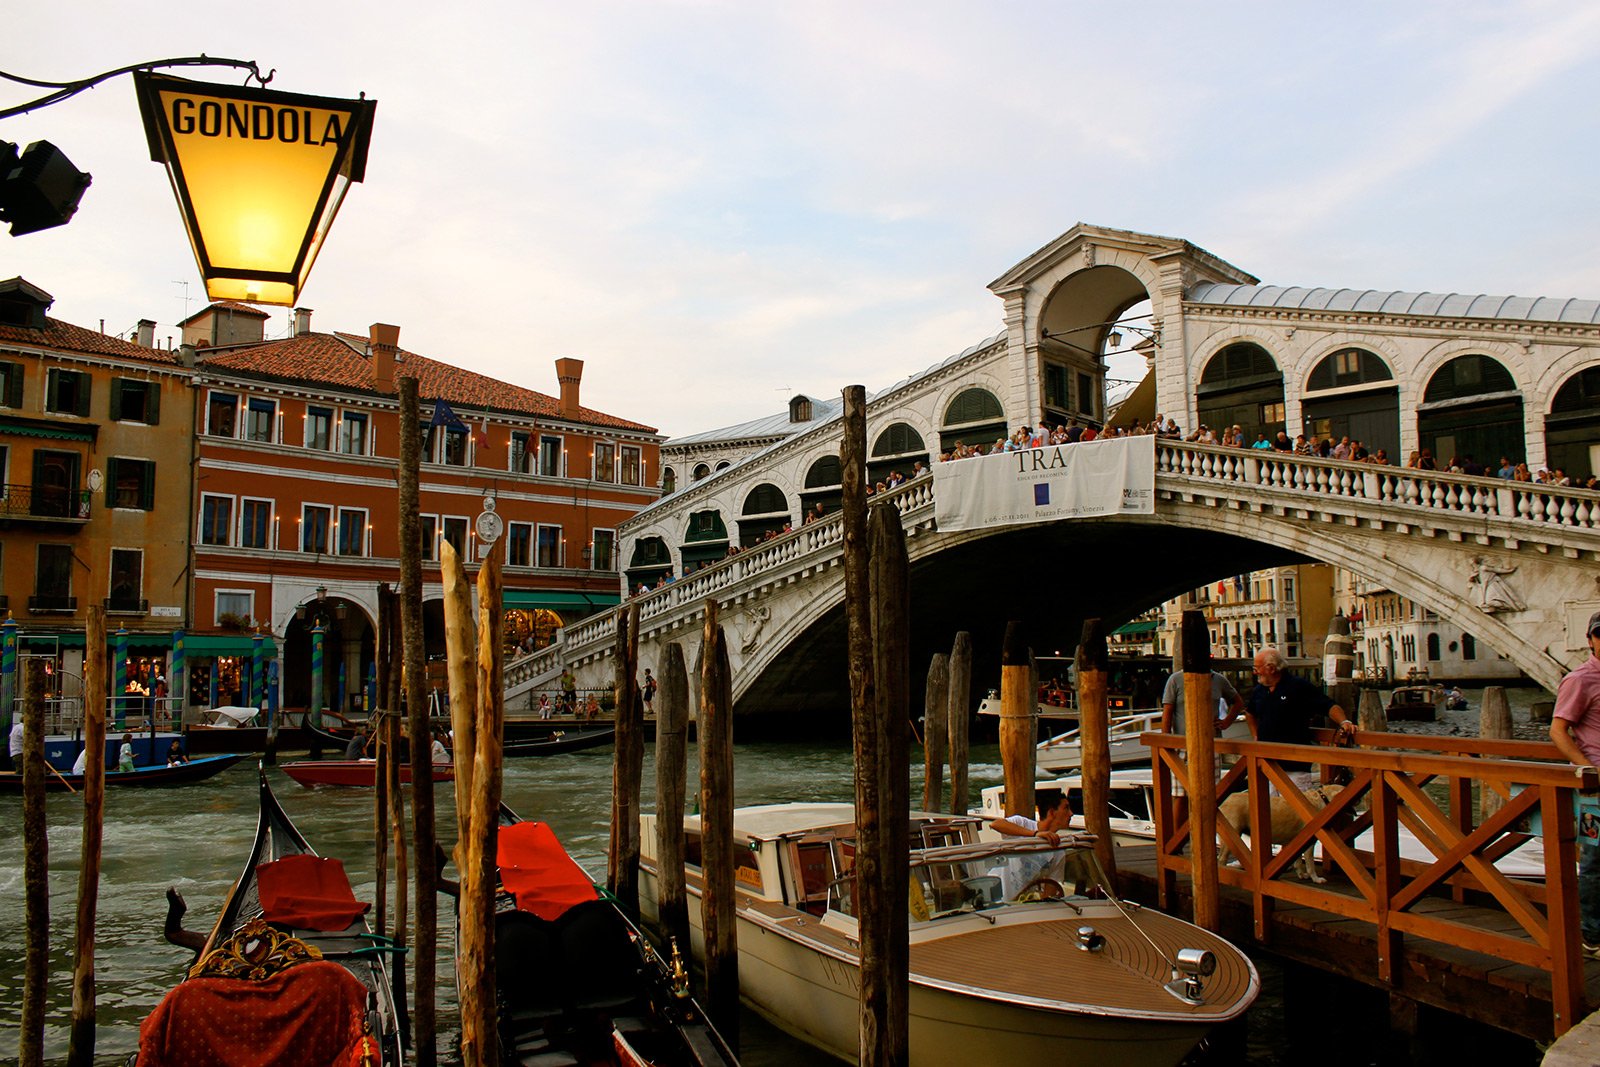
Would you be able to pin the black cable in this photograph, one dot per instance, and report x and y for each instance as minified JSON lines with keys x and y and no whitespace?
{"x":67,"y":90}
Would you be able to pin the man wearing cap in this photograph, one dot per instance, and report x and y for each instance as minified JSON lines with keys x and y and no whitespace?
{"x":1575,"y":729}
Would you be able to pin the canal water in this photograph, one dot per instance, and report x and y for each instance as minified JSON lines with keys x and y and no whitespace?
{"x":195,"y":839}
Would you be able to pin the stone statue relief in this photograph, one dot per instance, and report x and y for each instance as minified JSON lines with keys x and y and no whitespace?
{"x":1489,"y":589}
{"x":756,"y":618}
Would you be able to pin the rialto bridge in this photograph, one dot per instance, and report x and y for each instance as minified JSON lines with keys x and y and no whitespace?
{"x":1516,"y":564}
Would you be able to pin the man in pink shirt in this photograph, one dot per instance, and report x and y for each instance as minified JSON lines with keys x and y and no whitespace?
{"x":1575,"y":729}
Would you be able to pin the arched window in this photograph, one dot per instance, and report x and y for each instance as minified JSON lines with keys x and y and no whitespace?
{"x":898,"y":440}
{"x":1471,"y":411}
{"x":824,"y":490}
{"x":1433,"y":647}
{"x":825,"y":473}
{"x":1352,"y":393}
{"x":765,"y":499}
{"x":1242,"y":386}
{"x":1572,"y":430}
{"x":669,"y":480}
{"x":724,"y":465}
{"x":800,"y":409}
{"x":1469,"y":647}
{"x":1347,"y":367}
{"x":651,"y":561}
{"x":701,"y":470}
{"x":973,"y":417}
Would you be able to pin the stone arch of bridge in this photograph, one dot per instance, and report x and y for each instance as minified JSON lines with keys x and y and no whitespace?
{"x":790,"y":640}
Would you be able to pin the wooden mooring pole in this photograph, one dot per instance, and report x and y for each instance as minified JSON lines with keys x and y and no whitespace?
{"x":1494,"y":721}
{"x":880,"y":867}
{"x":425,"y":946}
{"x":80,"y":1046}
{"x":960,"y":719}
{"x":35,"y":866}
{"x":397,"y":813}
{"x":1019,"y":715}
{"x":461,"y":671}
{"x":715,"y":735}
{"x":1200,"y":727}
{"x":376,"y":740}
{"x":672,"y":732}
{"x":622,"y":854}
{"x":1094,"y":736}
{"x":935,"y":731}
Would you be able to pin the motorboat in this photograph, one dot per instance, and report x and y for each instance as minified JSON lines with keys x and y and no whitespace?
{"x":990,"y":705}
{"x":1020,"y":952}
{"x":1131,"y":800}
{"x":1064,"y":752}
{"x":1415,"y":703}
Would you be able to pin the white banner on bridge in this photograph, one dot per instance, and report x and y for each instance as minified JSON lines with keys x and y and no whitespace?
{"x":1090,"y":479}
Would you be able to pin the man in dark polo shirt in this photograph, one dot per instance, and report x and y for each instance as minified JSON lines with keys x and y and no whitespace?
{"x":1284,"y":707}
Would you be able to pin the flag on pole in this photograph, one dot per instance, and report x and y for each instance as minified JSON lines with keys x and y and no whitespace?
{"x":443,"y":416}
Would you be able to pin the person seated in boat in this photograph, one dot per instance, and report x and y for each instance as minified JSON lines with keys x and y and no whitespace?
{"x":125,"y":753}
{"x":1018,"y":873}
{"x":176,"y":756}
{"x":1455,"y":699}
{"x":439,"y":753}
{"x":80,"y":766}
{"x":357,"y":748}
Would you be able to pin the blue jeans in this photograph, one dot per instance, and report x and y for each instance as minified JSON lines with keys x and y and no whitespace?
{"x":1589,"y":891}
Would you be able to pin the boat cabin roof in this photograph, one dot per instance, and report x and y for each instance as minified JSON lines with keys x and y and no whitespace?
{"x":771,"y":822}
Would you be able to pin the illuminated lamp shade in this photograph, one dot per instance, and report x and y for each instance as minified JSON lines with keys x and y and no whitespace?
{"x":259,"y":176}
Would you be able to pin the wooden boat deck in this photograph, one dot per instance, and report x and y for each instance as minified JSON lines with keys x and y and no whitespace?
{"x":1509,"y":996}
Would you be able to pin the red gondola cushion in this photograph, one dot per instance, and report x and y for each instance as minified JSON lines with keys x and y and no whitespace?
{"x":312,"y":1013}
{"x":307,"y":893}
{"x":536,"y":870}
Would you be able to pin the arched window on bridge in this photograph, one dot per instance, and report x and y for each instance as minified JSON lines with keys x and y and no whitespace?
{"x":702,"y":471}
{"x":974,"y":417}
{"x":1352,"y":393}
{"x":824,"y":486}
{"x":897,"y":448}
{"x":724,"y":465}
{"x":704,"y":542}
{"x":1472,"y":408}
{"x":669,"y":481}
{"x":651,"y":562}
{"x":766,"y":511}
{"x":1433,"y":648}
{"x":1242,"y":386}
{"x":1572,"y":429}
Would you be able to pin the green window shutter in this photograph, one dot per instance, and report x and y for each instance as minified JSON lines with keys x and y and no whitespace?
{"x":152,"y":403}
{"x":108,"y":488}
{"x":13,"y":376}
{"x":147,"y":495}
{"x":84,"y":382}
{"x":115,"y":412}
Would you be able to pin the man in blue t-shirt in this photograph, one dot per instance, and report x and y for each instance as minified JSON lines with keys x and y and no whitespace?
{"x":1284,"y":707}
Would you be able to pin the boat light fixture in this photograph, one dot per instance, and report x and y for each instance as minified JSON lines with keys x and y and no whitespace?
{"x":1188,"y":969}
{"x":259,"y":176}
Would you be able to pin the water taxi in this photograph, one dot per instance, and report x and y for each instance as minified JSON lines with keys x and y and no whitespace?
{"x":1020,"y":952}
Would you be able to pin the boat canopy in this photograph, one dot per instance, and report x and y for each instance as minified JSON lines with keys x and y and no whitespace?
{"x":307,"y":892}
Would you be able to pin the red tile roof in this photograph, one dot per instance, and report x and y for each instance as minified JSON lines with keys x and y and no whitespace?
{"x":340,"y":360}
{"x":65,"y":337}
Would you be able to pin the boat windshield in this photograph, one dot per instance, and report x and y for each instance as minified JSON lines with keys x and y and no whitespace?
{"x":974,"y":877}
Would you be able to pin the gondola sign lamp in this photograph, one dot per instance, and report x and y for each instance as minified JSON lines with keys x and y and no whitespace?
{"x":259,"y":176}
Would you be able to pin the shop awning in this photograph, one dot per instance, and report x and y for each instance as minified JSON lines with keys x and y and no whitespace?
{"x":45,"y":643}
{"x":557,"y":600}
{"x":1145,"y":626}
{"x":20,"y":427}
{"x":227,"y":645}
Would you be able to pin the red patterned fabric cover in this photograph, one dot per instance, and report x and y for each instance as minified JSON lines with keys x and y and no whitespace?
{"x":307,"y":893}
{"x":310,"y":1015}
{"x":538,"y":872}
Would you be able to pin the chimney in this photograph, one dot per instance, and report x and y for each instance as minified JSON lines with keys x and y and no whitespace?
{"x":186,"y":354}
{"x":302,"y":321}
{"x":383,"y":343}
{"x":569,"y":372}
{"x":147,"y":333}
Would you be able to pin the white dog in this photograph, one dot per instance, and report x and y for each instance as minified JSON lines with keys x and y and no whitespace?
{"x":1285,"y":824}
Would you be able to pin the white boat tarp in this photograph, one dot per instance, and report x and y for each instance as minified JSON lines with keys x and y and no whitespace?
{"x":1092,"y":478}
{"x":230,"y":717}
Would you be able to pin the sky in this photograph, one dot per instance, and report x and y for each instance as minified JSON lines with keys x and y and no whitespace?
{"x":718,"y":205}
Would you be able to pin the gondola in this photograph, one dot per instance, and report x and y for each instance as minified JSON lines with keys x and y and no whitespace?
{"x":600,"y":993}
{"x":574,"y":740}
{"x":161,"y":776}
{"x":290,"y":973}
{"x":355,"y":772}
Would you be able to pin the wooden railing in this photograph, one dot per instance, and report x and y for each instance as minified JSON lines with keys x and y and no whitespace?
{"x":1388,"y":779}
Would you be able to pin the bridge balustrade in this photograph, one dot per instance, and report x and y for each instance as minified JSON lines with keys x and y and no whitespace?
{"x":1389,"y":779}
{"x":1437,"y":491}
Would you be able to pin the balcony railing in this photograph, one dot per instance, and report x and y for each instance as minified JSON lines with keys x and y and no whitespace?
{"x":43,"y":502}
{"x":52,"y":603}
{"x":126,"y":606}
